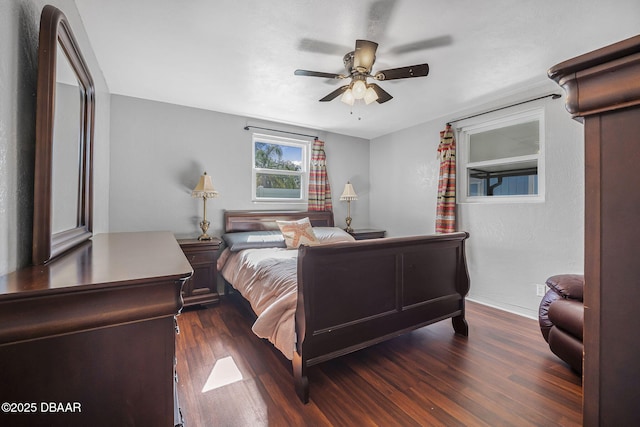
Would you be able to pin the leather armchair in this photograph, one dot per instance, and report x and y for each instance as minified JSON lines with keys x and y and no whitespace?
{"x":561,"y":318}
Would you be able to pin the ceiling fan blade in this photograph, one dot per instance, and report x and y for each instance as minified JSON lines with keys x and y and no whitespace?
{"x":318,"y":74}
{"x":383,"y":95}
{"x":380,"y":13}
{"x":365,"y":55}
{"x":333,"y":95}
{"x":423,"y":44}
{"x":403,"y":72}
{"x":319,"y":46}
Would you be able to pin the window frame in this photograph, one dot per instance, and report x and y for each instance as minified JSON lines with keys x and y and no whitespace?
{"x":464,"y":134}
{"x":305,"y":145}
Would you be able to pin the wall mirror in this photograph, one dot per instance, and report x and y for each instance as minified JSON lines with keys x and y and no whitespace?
{"x":64,"y":140}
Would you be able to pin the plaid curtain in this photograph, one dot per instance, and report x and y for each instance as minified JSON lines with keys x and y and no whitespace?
{"x":319,"y":188}
{"x":446,"y":207}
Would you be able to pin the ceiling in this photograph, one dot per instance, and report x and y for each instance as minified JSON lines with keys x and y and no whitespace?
{"x":238,"y":57}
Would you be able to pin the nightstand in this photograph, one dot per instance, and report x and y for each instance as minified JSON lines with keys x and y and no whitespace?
{"x":202,"y":287}
{"x":367,"y":233}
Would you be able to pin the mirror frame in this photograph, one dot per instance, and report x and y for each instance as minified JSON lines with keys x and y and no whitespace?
{"x":55,"y":31}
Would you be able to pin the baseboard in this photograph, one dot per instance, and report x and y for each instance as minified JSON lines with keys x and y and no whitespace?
{"x":528,"y":316}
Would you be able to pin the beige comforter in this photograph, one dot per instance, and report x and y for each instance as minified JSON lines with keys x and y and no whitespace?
{"x":267,"y":278}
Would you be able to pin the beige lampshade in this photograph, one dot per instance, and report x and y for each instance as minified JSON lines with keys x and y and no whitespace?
{"x":349,"y":193}
{"x":204,"y":188}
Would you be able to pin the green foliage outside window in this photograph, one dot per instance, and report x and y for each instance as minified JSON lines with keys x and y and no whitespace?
{"x":270,"y":156}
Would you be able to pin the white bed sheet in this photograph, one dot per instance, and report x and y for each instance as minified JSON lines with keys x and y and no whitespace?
{"x":267,"y":278}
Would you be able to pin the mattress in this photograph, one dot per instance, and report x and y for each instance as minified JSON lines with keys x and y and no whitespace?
{"x":267,"y":278}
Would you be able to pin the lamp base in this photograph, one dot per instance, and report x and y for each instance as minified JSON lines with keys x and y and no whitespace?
{"x":348,"y":221}
{"x":204,"y":226}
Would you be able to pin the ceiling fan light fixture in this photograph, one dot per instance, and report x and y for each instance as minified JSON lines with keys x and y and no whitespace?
{"x":347,"y":97}
{"x":370,"y":95}
{"x":359,"y":88}
{"x":358,"y":65}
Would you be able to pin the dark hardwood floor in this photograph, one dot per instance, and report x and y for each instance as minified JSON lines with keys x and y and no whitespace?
{"x":503,"y":374}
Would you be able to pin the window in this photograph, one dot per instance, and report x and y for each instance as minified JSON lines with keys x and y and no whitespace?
{"x":503,"y":160}
{"x":280,"y":169}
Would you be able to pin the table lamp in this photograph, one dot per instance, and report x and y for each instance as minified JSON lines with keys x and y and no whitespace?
{"x":348,"y":194}
{"x":205,"y":190}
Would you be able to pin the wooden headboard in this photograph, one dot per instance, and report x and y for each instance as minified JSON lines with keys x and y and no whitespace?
{"x":266,"y":220}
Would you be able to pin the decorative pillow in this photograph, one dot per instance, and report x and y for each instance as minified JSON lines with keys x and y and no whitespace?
{"x":297,"y":233}
{"x":254,"y":240}
{"x":332,"y":235}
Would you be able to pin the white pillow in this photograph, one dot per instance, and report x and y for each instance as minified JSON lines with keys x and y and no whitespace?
{"x":332,"y":235}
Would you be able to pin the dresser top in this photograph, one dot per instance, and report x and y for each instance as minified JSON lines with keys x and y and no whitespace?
{"x":109,"y":259}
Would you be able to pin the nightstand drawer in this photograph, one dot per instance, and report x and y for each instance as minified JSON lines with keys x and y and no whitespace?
{"x":200,"y":257}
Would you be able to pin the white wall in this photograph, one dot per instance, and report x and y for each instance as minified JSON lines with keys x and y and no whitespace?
{"x":19,"y":30}
{"x":159,"y":151}
{"x":404,"y":179}
{"x":512,"y":246}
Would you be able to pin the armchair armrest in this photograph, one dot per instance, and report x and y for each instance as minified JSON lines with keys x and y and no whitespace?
{"x":570,"y":286}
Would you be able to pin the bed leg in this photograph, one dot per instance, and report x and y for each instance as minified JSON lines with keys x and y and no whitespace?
{"x":460,"y":325}
{"x":300,"y":378}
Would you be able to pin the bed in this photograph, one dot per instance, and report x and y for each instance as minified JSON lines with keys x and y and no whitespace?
{"x":340,"y":295}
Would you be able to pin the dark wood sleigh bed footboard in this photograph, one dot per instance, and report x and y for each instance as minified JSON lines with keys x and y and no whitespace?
{"x":354,"y":295}
{"x":351,"y":296}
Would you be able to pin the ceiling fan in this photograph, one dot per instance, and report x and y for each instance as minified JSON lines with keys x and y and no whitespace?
{"x":358,"y":65}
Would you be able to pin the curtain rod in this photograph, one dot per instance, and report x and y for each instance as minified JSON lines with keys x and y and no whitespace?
{"x":281,"y":131}
{"x":552,"y":95}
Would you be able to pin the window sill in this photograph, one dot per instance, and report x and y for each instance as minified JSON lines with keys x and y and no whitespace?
{"x":487,"y":200}
{"x":280,"y":202}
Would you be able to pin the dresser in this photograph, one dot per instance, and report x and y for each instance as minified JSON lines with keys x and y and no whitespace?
{"x":202,"y":287}
{"x":89,"y":338}
{"x":603,"y":91}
